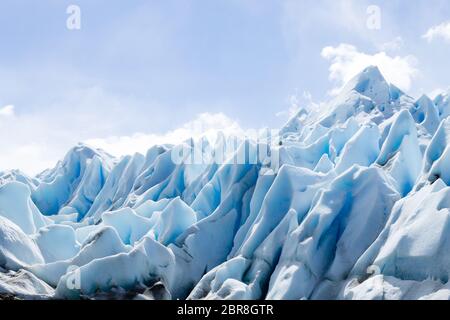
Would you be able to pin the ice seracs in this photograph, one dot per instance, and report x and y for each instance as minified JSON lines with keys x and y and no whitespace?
{"x":437,"y":155}
{"x":17,"y":250}
{"x":400,"y":154}
{"x":349,"y":201}
{"x":17,"y":206}
{"x":74,"y":182}
{"x":426,"y":113}
{"x":370,"y":83}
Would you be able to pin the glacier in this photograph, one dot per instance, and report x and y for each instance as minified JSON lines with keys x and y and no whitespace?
{"x":351,"y":201}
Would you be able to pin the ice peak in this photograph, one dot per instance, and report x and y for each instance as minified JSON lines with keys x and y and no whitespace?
{"x":83,"y":152}
{"x":424,"y":100}
{"x":370,"y":74}
{"x":373,"y":70}
{"x":370,"y":83}
{"x":82,"y":148}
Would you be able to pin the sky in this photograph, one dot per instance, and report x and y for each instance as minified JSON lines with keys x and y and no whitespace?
{"x":141,"y":72}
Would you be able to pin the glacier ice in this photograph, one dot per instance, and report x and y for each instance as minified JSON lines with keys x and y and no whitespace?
{"x":16,"y":205}
{"x":24,"y":285}
{"x":99,"y":244}
{"x":16,"y":248}
{"x":347,"y":202}
{"x":147,"y":263}
{"x":57,"y":242}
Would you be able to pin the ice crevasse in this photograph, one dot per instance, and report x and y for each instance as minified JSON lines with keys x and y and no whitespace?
{"x":357,"y":208}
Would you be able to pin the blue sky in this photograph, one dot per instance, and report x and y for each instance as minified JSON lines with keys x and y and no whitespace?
{"x":137,"y":70}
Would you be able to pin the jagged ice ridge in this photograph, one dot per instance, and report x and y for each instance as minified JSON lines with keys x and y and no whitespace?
{"x":358,"y":208}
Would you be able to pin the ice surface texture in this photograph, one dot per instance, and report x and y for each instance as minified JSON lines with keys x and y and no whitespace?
{"x":358,"y":208}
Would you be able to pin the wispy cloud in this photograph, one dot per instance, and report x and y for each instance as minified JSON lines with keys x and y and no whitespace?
{"x":393,"y":45}
{"x":7,"y":111}
{"x":346,"y":61}
{"x":205,"y":124}
{"x":299,"y":102}
{"x":441,"y":31}
{"x":434,"y":93}
{"x":33,"y":139}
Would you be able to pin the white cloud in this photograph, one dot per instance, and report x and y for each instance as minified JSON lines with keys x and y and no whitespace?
{"x":205,"y":124}
{"x":34,"y":142}
{"x":7,"y":111}
{"x":439,"y":31}
{"x":37,"y":137}
{"x":297,"y":102}
{"x":31,"y":158}
{"x":293,"y":108}
{"x":434,"y":93}
{"x":393,"y":45}
{"x":347,"y":61}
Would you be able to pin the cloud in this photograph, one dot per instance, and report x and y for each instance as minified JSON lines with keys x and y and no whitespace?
{"x":297,"y":102}
{"x":434,"y":93}
{"x":27,"y":144}
{"x":205,"y":124}
{"x":7,"y":111}
{"x":35,"y":138}
{"x":34,"y":142}
{"x":31,"y":158}
{"x":393,"y":45}
{"x":440,"y":31}
{"x":347,"y":61}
